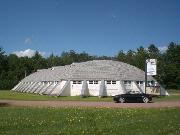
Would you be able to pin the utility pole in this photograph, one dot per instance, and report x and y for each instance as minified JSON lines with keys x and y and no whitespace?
{"x":145,"y":75}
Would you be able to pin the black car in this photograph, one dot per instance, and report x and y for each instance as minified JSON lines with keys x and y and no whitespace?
{"x":132,"y":97}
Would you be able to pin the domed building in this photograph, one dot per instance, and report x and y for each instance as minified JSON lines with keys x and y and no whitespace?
{"x":91,"y":78}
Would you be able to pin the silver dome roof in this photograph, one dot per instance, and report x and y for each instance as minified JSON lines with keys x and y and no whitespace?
{"x":90,"y":70}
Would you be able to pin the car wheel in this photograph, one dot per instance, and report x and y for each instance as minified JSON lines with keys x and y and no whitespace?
{"x":121,"y":100}
{"x":145,"y":100}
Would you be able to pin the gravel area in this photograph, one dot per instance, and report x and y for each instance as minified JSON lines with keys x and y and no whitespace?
{"x":89,"y":104}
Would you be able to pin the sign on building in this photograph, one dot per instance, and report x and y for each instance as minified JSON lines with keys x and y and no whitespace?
{"x":151,"y":66}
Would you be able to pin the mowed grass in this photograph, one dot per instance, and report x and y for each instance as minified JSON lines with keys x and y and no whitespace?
{"x":89,"y":121}
{"x":11,"y":95}
{"x":167,"y":98}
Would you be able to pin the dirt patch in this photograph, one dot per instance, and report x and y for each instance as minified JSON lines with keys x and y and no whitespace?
{"x":91,"y":104}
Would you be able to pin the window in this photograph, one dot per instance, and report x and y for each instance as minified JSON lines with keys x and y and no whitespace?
{"x":125,"y":82}
{"x":150,"y":83}
{"x":93,"y":82}
{"x":139,"y":82}
{"x":108,"y":82}
{"x":90,"y":82}
{"x":111,"y":82}
{"x":77,"y":82}
{"x":56,"y":82}
{"x":74,"y":82}
{"x":45,"y":82}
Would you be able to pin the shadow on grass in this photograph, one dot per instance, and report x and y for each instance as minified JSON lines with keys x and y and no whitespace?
{"x":3,"y":104}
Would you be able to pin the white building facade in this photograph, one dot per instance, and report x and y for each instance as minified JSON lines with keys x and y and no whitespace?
{"x":91,"y":78}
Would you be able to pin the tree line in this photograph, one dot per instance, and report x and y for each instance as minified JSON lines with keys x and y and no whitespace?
{"x":14,"y":68}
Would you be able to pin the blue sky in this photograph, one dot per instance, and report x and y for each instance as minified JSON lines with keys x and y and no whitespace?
{"x":98,"y":27}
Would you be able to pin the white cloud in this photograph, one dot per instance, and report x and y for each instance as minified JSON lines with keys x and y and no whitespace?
{"x":28,"y":40}
{"x":28,"y":52}
{"x":163,"y":48}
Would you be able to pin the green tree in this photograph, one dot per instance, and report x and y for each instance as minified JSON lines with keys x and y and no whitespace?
{"x":3,"y":68}
{"x":38,"y":62}
{"x":153,"y":52}
{"x":54,"y":61}
{"x":172,"y":66}
{"x":121,"y":56}
{"x":84,"y":57}
{"x":130,"y":57}
{"x":140,"y":57}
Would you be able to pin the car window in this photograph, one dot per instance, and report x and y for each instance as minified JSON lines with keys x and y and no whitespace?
{"x":133,"y":92}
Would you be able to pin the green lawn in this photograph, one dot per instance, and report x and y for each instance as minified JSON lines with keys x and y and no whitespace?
{"x":6,"y":94}
{"x":174,"y":91}
{"x":167,"y":98}
{"x":89,"y":121}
